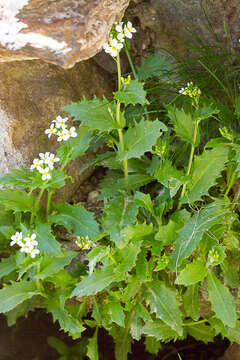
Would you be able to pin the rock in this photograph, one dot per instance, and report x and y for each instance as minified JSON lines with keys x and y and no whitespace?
{"x":61,"y":32}
{"x":232,"y":352}
{"x":32,"y":94}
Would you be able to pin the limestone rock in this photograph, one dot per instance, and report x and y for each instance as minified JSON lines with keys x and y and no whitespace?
{"x":61,"y":32}
{"x":32,"y":94}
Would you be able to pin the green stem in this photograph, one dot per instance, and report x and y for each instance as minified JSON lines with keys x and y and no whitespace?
{"x":198,"y":322}
{"x":120,"y":133}
{"x":37,"y":204}
{"x":131,"y":63}
{"x":112,"y":258}
{"x":189,"y":162}
{"x":38,"y":280}
{"x":49,"y":202}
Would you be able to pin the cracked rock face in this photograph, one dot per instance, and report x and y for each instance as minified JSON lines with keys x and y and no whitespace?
{"x":61,"y":32}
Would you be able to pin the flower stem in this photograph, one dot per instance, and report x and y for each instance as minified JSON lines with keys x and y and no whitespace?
{"x":37,"y":205}
{"x":131,"y":63}
{"x":49,"y":202}
{"x":120,"y":133}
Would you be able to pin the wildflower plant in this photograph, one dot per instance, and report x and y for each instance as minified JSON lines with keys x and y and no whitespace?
{"x":166,"y":245}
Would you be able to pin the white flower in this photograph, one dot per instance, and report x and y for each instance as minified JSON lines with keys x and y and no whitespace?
{"x":37,"y":164}
{"x":129,"y":29}
{"x":30,"y":240}
{"x":119,"y":27}
{"x":60,"y":122}
{"x":107,"y":48}
{"x":45,"y":173}
{"x":51,"y":131}
{"x":16,"y":239}
{"x":26,"y":248}
{"x":115,"y":47}
{"x":121,"y":37}
{"x":72,"y":132}
{"x":34,"y":252}
{"x":50,"y":160}
{"x":63,"y":135}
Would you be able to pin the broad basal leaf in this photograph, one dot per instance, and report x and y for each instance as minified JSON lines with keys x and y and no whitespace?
{"x":51,"y":265}
{"x":206,"y":169}
{"x":154,"y":65}
{"x":192,"y":273}
{"x":191,"y":302}
{"x":133,"y":93}
{"x":221,"y":300}
{"x":46,"y":241}
{"x":96,"y":114}
{"x":163,"y":302}
{"x":140,"y":138}
{"x":17,"y":200}
{"x":160,"y":331}
{"x":190,"y":235}
{"x":12,"y":295}
{"x":75,"y":218}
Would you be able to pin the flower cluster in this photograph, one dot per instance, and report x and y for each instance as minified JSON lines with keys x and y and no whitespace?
{"x":216,"y":255}
{"x":118,"y":35}
{"x":190,"y":90}
{"x":45,"y":164}
{"x":27,"y":244}
{"x":59,"y":127}
{"x":83,"y":242}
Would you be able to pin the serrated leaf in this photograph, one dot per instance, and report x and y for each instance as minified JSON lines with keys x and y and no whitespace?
{"x":15,"y":294}
{"x":46,"y":241}
{"x":92,"y":348}
{"x":51,"y":265}
{"x":162,"y":301}
{"x":116,"y":311}
{"x":221,"y":300}
{"x":75,"y":218}
{"x":136,"y":327}
{"x":94,"y":256}
{"x":142,"y":266}
{"x":206,"y":169}
{"x":144,"y":200}
{"x":231,"y":276}
{"x":160,"y":331}
{"x":201,"y":332}
{"x":140,"y":138}
{"x":190,"y":235}
{"x":152,"y":345}
{"x":17,"y":177}
{"x":17,"y":200}
{"x":94,"y":114}
{"x":191,"y":302}
{"x":67,"y":323}
{"x":154,"y":65}
{"x":132,"y":93}
{"x":183,"y":124}
{"x":7,"y":266}
{"x":205,"y":112}
{"x":166,"y":171}
{"x":167,"y":234}
{"x":192,"y":273}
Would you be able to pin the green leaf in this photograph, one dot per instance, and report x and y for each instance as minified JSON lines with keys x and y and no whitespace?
{"x":140,"y":138}
{"x":122,"y":340}
{"x":222,"y":301}
{"x":17,"y":200}
{"x":92,"y":348}
{"x":205,"y":112}
{"x":46,"y":241}
{"x":116,"y":311}
{"x":94,"y":114}
{"x":231,"y":276}
{"x":201,"y":332}
{"x":183,"y":124}
{"x":142,"y":266}
{"x":162,"y":301}
{"x":17,"y":177}
{"x":154,"y":65}
{"x":168,"y":233}
{"x":191,"y":302}
{"x":15,"y":294}
{"x":96,"y":255}
{"x":144,"y":200}
{"x":7,"y":266}
{"x":160,"y":331}
{"x":206,"y":169}
{"x":58,"y":345}
{"x":51,"y":265}
{"x":133,"y":93}
{"x":76,"y":218}
{"x":67,"y":323}
{"x":152,"y":345}
{"x":166,"y":172}
{"x":192,"y":273}
{"x":22,"y":310}
{"x":190,"y":235}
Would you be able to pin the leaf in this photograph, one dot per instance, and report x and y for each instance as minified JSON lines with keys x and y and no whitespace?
{"x":51,"y":265}
{"x":168,"y":233}
{"x":222,"y":301}
{"x":17,"y":177}
{"x":122,"y":341}
{"x":160,"y":331}
{"x":94,"y":114}
{"x":154,"y":65}
{"x":132,"y":93}
{"x":92,"y":348}
{"x":58,"y":345}
{"x":144,"y":200}
{"x":201,"y":332}
{"x":191,"y":302}
{"x":116,"y":311}
{"x":76,"y":146}
{"x":166,"y":171}
{"x":17,"y":200}
{"x":142,"y":266}
{"x":183,"y":124}
{"x":162,"y":301}
{"x":22,"y":310}
{"x":152,"y":345}
{"x":96,"y":255}
{"x":67,"y":323}
{"x":190,"y":235}
{"x":46,"y":241}
{"x":206,"y":169}
{"x":75,"y":218}
{"x":15,"y":294}
{"x":136,"y":327}
{"x":7,"y":266}
{"x":205,"y":112}
{"x":192,"y":273}
{"x":140,"y":138}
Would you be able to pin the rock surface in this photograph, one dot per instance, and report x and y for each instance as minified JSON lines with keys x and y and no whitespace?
{"x":61,"y":32}
{"x":32,"y":94}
